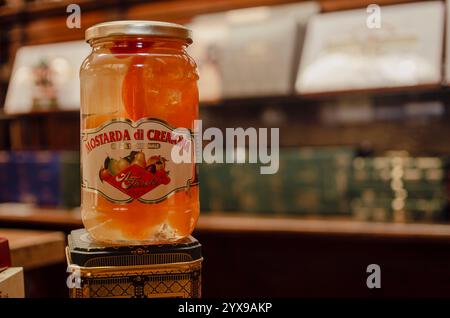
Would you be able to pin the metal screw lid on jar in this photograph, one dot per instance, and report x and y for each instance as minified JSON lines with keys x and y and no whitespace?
{"x":136,"y":27}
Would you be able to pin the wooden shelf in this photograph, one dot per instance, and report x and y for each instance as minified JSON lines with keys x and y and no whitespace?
{"x":334,"y":5}
{"x":138,"y":8}
{"x":322,"y":226}
{"x":23,"y":214}
{"x":431,"y":91}
{"x":41,"y":9}
{"x":415,"y":90}
{"x":59,"y":7}
{"x":56,"y":112}
{"x":241,"y":223}
{"x":33,"y":249}
{"x":8,"y":12}
{"x":421,"y":91}
{"x":177,"y":7}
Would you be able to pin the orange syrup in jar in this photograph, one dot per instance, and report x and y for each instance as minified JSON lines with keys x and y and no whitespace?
{"x":137,"y":86}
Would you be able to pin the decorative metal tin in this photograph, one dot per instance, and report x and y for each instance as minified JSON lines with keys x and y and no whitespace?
{"x":142,"y":271}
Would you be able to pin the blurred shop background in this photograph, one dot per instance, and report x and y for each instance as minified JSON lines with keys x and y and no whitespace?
{"x":364,"y":126}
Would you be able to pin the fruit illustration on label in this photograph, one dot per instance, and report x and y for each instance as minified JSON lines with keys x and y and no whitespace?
{"x":104,"y":174}
{"x":133,"y":175}
{"x":156,"y":163}
{"x":139,"y":159}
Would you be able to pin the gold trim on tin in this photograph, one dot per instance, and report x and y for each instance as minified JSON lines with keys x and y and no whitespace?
{"x":138,"y":259}
{"x":98,"y":270}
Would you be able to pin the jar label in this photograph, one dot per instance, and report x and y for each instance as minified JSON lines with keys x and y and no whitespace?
{"x":126,"y":161}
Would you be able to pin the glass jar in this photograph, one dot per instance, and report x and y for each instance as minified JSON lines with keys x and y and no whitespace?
{"x":138,"y":85}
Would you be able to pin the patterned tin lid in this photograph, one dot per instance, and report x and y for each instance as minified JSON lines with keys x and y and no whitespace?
{"x":84,"y":251}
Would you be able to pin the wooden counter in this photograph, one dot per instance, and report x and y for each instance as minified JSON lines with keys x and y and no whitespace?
{"x":33,"y":249}
{"x":293,"y":257}
{"x":66,"y":220}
